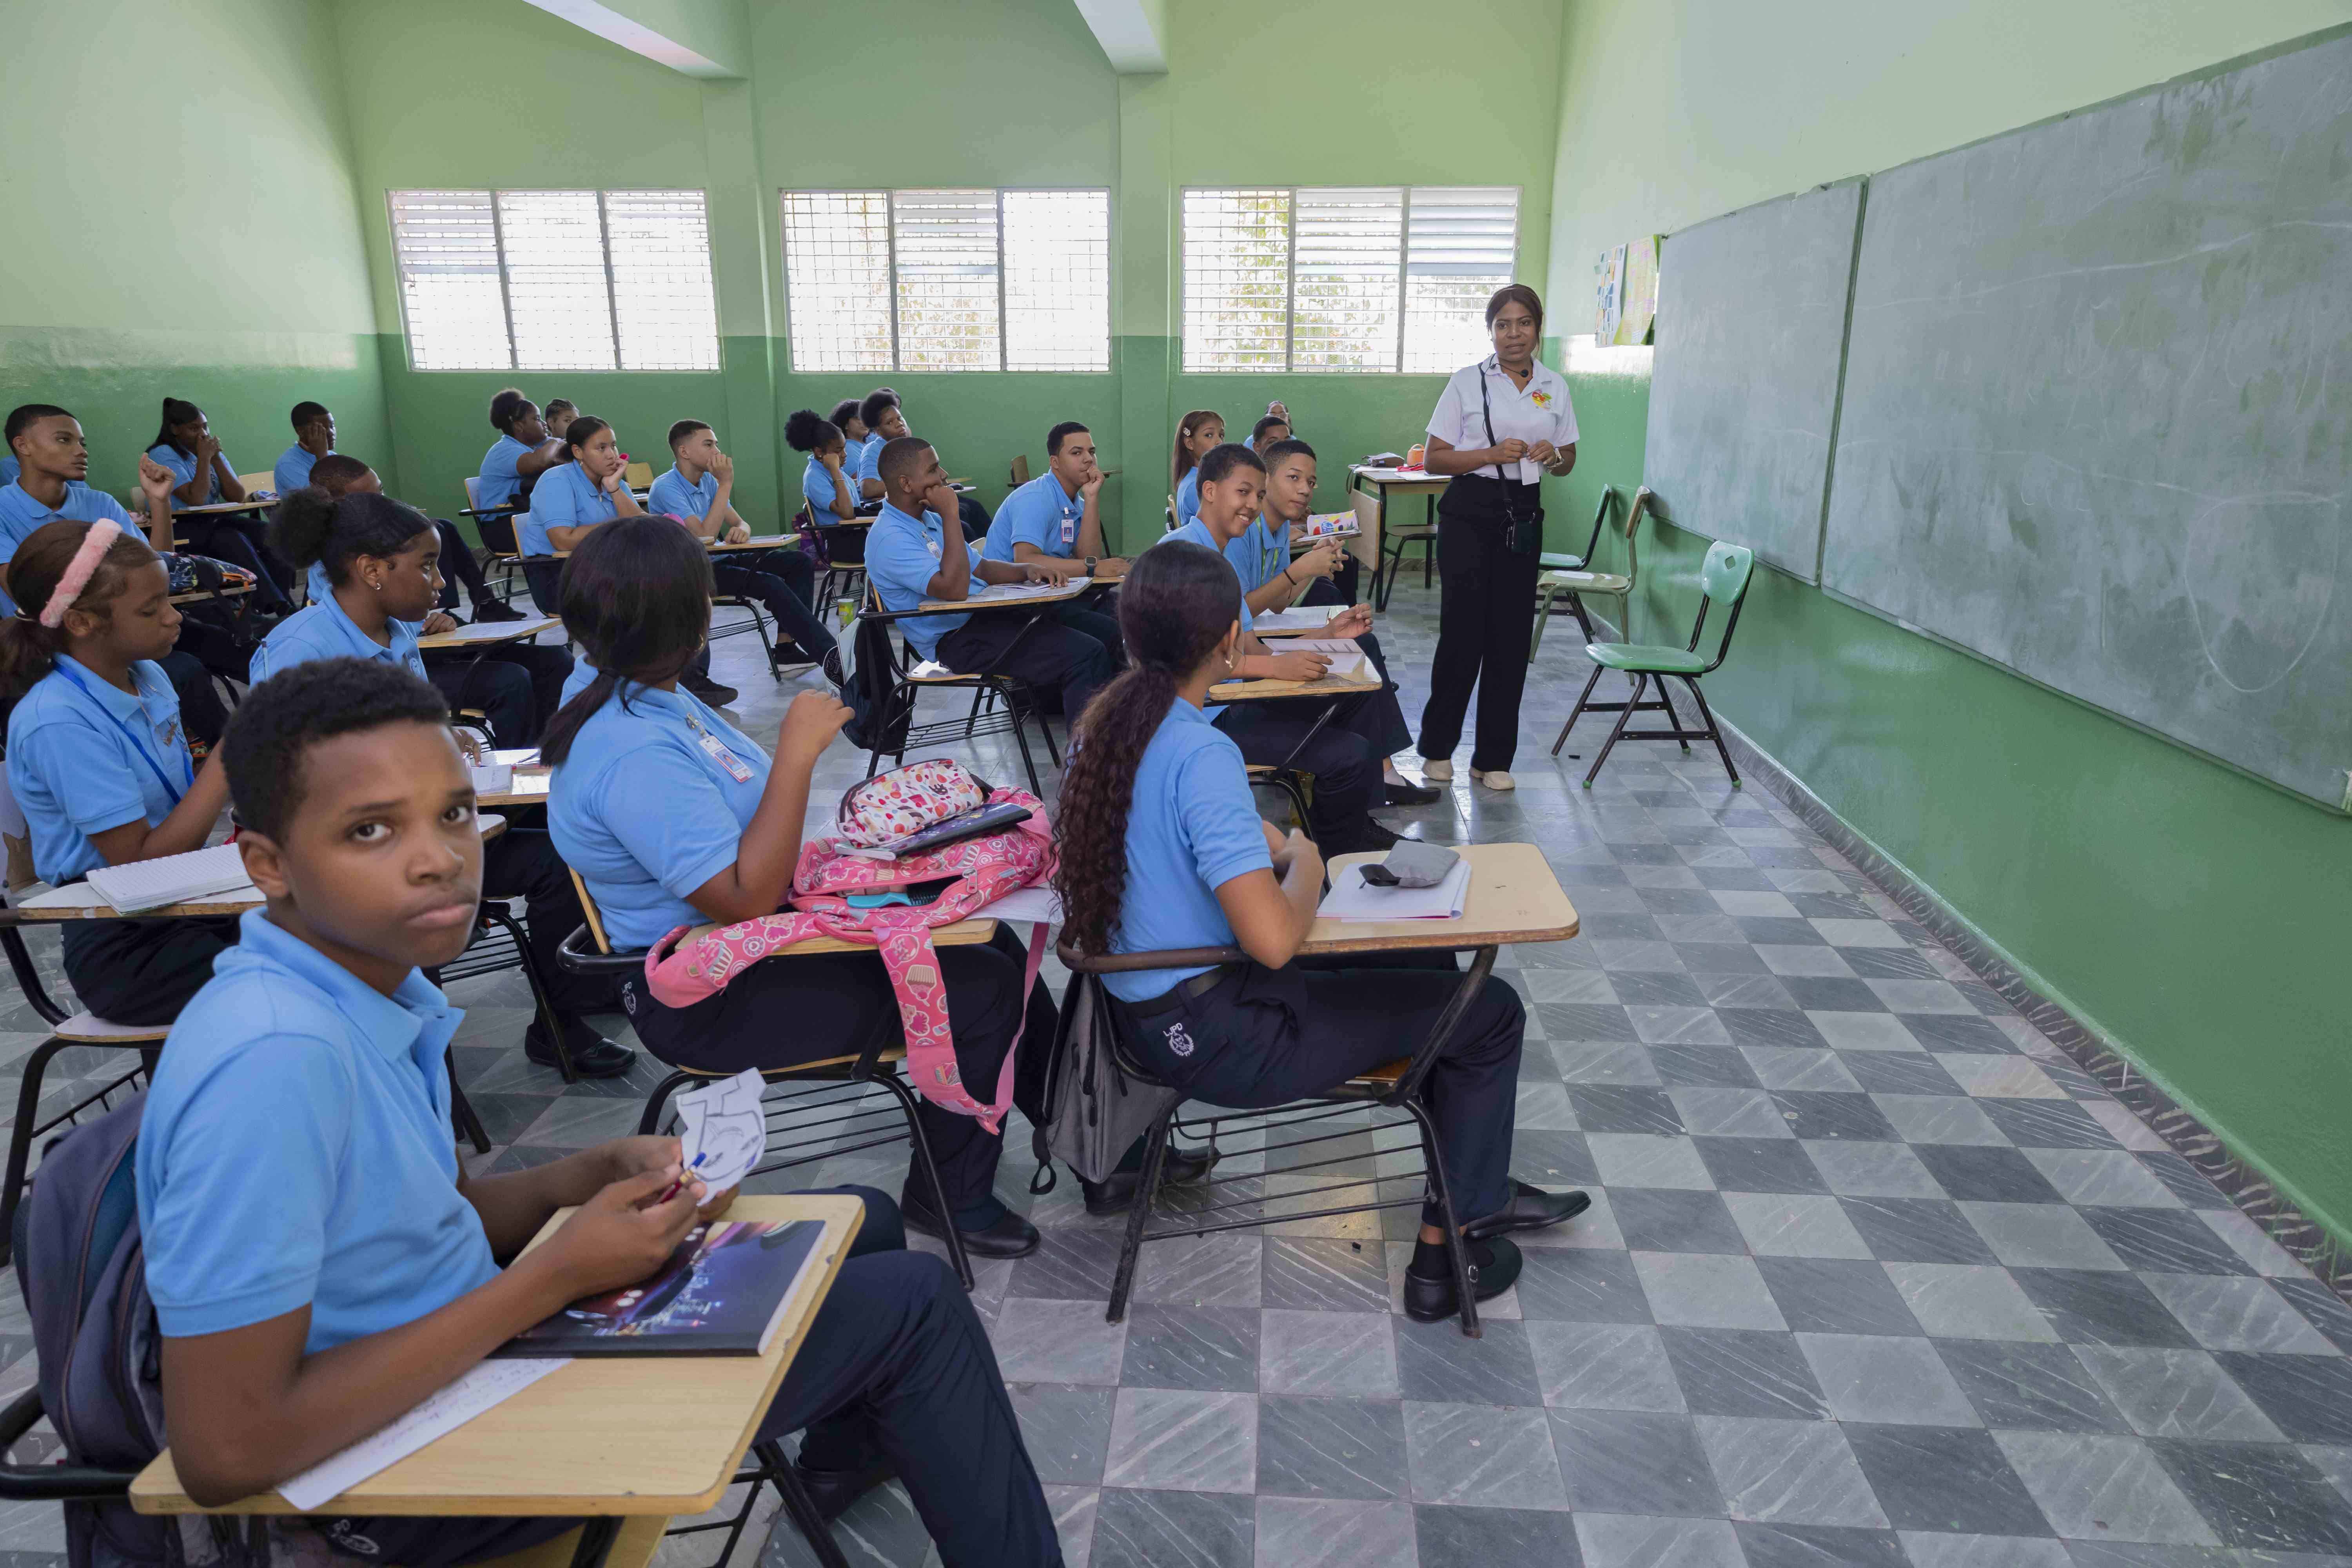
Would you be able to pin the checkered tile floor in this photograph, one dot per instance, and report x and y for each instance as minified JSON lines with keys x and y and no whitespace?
{"x":1872,"y":1274}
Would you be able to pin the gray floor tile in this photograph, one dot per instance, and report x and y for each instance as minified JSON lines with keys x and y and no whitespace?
{"x":1496,"y":1538}
{"x":1315,"y":1275}
{"x":1805,"y":1545}
{"x":2101,"y":1308}
{"x":1934,"y":1550}
{"x":2261,"y":1496}
{"x":1065,"y":1429}
{"x":2039,"y":1236}
{"x":1343,"y":1354}
{"x":1916,"y":1230}
{"x":1969,"y":1301}
{"x":1309,"y":1532}
{"x":1174,"y":1441}
{"x":1706,"y":1291}
{"x":1604,"y":1366}
{"x":1779,"y":1224}
{"x":1933,"y":1479}
{"x":2028,"y":1387}
{"x":1872,"y":1170}
{"x":1654,"y":1220}
{"x":1481,"y":1456}
{"x":1789,"y":1472}
{"x":1836,"y":1296}
{"x":1331,"y":1449}
{"x":2166,"y":1241}
{"x":2104,"y":1489}
{"x":1620,"y":1461}
{"x":1203,"y":1270}
{"x":1173,"y":1529}
{"x":1759,"y":1165}
{"x":1594,"y":1285}
{"x":1437,"y":1362}
{"x":1201,"y":1348}
{"x":1639,"y":1541}
{"x":1742,"y":1372}
{"x":1933,"y":1117}
{"x":1702,"y":1066}
{"x":1057,"y":1342}
{"x":1885,"y":1380}
{"x":2176,"y":1394}
{"x":2309,"y":1397}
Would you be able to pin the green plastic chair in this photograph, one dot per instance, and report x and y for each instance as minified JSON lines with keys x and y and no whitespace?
{"x":1724,"y":575}
{"x":1575,"y":582}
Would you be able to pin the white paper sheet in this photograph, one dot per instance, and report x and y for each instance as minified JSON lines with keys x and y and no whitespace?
{"x":998,"y":593}
{"x":723,"y":1128}
{"x":1352,"y":899}
{"x":1024,"y":904}
{"x":1338,"y":647}
{"x":491,"y":1384}
{"x":492,"y":631}
{"x":1306,"y":618}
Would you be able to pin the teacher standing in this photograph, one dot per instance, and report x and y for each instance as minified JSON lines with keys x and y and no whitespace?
{"x":1501,"y":425}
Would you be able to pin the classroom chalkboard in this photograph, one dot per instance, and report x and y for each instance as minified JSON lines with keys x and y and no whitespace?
{"x":1743,"y":388}
{"x":2097,"y":417}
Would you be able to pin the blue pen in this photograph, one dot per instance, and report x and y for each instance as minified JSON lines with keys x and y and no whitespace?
{"x":671,"y":1191}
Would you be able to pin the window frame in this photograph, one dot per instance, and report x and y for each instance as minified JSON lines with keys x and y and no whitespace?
{"x":506,"y":295}
{"x":1289,"y":365}
{"x":898,"y":364}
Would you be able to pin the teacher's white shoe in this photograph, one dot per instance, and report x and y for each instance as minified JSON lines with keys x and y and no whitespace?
{"x":1496,"y":780}
{"x":1436,"y":770}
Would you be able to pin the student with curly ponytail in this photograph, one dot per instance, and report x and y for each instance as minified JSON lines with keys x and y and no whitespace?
{"x":97,"y":757}
{"x":1162,"y":848}
{"x":675,"y":817}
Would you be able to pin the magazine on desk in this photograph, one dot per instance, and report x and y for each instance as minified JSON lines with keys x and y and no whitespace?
{"x":721,"y":1292}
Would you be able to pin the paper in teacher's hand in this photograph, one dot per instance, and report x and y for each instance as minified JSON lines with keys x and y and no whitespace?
{"x":723,"y":1130}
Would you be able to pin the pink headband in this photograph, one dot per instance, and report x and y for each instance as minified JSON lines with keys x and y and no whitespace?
{"x":94,"y":545}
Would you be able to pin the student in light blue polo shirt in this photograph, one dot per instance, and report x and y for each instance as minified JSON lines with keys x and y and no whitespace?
{"x":9,"y":469}
{"x":339,"y":475}
{"x":382,"y":558}
{"x":1162,"y":847}
{"x":53,"y":463}
{"x":699,"y":490}
{"x":675,"y":817}
{"x":1054,"y":521}
{"x":1198,"y":434}
{"x":314,"y":437}
{"x":299,"y":1193}
{"x":523,"y":451}
{"x":99,"y":760}
{"x":1339,"y":753}
{"x":827,"y":481}
{"x":911,"y":557}
{"x":885,"y":423}
{"x":185,"y":444}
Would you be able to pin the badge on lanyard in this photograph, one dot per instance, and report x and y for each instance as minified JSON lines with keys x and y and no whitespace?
{"x":737,"y":768}
{"x":1069,"y":527}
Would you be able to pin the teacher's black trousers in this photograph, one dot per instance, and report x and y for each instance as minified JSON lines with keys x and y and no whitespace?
{"x":1485,"y":617}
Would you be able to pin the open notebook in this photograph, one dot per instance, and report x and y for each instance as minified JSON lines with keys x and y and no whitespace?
{"x":172,"y":879}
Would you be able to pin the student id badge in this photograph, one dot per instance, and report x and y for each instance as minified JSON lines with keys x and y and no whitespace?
{"x":737,"y":768}
{"x":1069,"y":528}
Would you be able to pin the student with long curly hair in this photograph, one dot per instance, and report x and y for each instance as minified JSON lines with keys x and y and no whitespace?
{"x":1162,"y":847}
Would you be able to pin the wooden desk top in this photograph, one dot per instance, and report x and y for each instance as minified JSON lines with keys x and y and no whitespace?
{"x":1388,"y":479}
{"x":490,"y":634}
{"x":757,"y":541}
{"x":82,"y":901}
{"x":1021,"y":600}
{"x":1513,"y":898}
{"x":531,"y":784}
{"x":1347,"y":677}
{"x":224,"y":508}
{"x":607,"y":1435}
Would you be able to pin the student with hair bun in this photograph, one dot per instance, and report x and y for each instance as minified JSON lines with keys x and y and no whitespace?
{"x":826,"y":479}
{"x":381,"y":558}
{"x":1163,"y":849}
{"x":98,"y":760}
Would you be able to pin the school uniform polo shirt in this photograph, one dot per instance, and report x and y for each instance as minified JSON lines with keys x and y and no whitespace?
{"x":498,"y":481}
{"x":1191,"y":828}
{"x":184,"y":469}
{"x":1188,"y":495}
{"x":647,"y":812}
{"x":293,"y":468}
{"x":565,"y":496}
{"x":672,"y":494}
{"x":1197,"y":532}
{"x":1040,"y":514}
{"x":20,"y":514}
{"x":902,"y":555}
{"x":9,"y":469}
{"x":816,"y":484}
{"x":1540,"y":411}
{"x":869,"y":457}
{"x":85,"y":755}
{"x":296,"y":1151}
{"x":323,"y":631}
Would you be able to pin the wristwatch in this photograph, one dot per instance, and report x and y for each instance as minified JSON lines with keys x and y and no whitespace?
{"x":1090,"y":564}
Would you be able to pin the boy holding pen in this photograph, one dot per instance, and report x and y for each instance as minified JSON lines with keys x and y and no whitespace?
{"x":320,"y":1261}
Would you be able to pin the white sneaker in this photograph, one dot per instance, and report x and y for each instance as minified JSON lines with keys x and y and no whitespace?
{"x":1496,"y":780}
{"x":1436,"y":770}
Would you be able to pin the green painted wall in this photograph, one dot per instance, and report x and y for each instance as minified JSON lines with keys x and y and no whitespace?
{"x":182,"y":224}
{"x":2190,"y":913}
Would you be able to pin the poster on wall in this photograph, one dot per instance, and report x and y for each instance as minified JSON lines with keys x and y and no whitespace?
{"x":1609,"y":294}
{"x":1639,"y":311}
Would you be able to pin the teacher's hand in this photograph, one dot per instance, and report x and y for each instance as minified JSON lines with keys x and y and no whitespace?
{"x":1512,"y":450}
{"x":1543,"y":452}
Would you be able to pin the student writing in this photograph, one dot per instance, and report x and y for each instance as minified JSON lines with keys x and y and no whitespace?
{"x":697,"y":489}
{"x":1341,"y":753}
{"x":97,"y":757}
{"x":320,"y":1261}
{"x":185,"y":444}
{"x":912,"y":557}
{"x":381,"y":558}
{"x":675,"y":817}
{"x":1163,"y":849}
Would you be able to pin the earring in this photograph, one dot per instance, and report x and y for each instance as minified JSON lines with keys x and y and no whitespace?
{"x":375,"y":585}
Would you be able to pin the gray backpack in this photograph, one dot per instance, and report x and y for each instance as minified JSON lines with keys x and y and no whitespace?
{"x":1093,"y":1112}
{"x":83,"y":1269}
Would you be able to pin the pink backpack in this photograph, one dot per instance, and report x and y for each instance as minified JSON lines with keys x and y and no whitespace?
{"x":984,"y":871}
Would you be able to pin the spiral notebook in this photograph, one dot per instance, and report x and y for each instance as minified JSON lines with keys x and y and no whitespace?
{"x":139,"y":885}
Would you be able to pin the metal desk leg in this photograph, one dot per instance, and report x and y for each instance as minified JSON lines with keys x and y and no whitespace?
{"x":597,"y":1534}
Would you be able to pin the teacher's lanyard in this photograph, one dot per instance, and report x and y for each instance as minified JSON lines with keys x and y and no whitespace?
{"x":1510,"y":508}
{"x":132,"y":736}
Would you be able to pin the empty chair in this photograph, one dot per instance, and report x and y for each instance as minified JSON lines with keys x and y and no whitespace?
{"x":1724,"y":575}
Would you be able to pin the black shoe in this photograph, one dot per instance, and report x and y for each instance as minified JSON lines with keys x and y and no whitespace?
{"x":593,"y":1056}
{"x":486,"y":610}
{"x":1115,"y":1192}
{"x":1530,"y":1208}
{"x":1010,"y":1236}
{"x":710,"y":690}
{"x":1409,"y":794}
{"x":1493,"y":1268}
{"x":1372,"y":836}
{"x":833,"y":1491}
